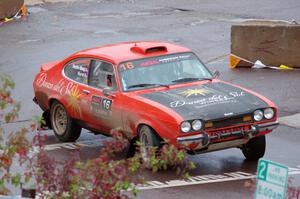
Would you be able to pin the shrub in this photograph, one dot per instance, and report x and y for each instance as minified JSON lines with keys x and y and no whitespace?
{"x":103,"y":177}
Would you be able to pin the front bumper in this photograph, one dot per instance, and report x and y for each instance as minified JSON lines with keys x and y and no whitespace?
{"x":205,"y":142}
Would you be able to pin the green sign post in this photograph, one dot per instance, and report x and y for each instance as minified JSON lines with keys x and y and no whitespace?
{"x":272,"y":180}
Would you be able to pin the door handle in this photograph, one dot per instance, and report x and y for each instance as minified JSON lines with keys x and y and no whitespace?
{"x":86,"y":91}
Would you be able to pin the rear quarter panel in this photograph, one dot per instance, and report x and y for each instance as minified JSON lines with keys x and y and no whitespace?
{"x":50,"y":84}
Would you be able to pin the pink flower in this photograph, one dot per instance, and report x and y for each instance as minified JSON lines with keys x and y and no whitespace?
{"x":22,"y":152}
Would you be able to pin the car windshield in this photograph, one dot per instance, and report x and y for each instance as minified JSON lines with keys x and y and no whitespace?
{"x":162,"y":71}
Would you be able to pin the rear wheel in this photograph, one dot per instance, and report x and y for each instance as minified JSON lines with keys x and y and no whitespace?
{"x":255,"y":148}
{"x":148,"y":140}
{"x":64,"y":127}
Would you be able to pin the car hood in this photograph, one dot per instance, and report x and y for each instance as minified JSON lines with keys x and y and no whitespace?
{"x":209,"y":101}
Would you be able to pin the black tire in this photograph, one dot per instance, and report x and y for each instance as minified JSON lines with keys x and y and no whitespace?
{"x":147,"y":138}
{"x":46,"y":117}
{"x":255,"y":148}
{"x":132,"y":148}
{"x":65,"y":128}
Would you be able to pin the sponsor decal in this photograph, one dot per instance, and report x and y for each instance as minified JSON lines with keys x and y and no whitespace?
{"x":154,"y":61}
{"x":196,"y":92}
{"x":174,"y":58}
{"x":82,"y":70}
{"x":126,"y":66}
{"x":208,"y":101}
{"x":61,"y":86}
{"x":101,"y":107}
{"x":74,"y":101}
{"x":149,"y":63}
{"x":69,"y":89}
{"x":219,"y":133}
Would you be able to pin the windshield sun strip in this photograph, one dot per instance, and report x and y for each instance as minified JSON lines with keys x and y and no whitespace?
{"x":156,"y":57}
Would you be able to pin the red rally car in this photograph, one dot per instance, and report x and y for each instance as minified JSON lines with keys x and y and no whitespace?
{"x":152,"y":91}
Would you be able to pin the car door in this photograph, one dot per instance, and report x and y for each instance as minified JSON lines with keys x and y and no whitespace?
{"x":105,"y":108}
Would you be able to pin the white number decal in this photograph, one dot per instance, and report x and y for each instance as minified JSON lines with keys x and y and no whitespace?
{"x":106,"y":104}
{"x":262,"y":170}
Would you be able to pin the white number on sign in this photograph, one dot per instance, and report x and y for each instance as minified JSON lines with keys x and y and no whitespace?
{"x":262,"y":170}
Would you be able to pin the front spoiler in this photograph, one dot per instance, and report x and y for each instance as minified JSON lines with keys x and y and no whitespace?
{"x":205,"y":144}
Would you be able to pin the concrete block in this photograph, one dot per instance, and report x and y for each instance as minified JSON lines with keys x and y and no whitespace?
{"x":272,"y":42}
{"x":9,"y":8}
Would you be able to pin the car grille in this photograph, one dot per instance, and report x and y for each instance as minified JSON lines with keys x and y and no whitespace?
{"x":244,"y":119}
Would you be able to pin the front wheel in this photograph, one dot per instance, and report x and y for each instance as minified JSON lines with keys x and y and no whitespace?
{"x":148,"y":140}
{"x":64,"y":127}
{"x":255,"y":148}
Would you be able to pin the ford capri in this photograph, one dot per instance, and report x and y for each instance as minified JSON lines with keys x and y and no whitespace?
{"x":152,"y":92}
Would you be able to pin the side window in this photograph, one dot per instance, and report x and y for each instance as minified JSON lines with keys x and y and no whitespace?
{"x":78,"y":70}
{"x":102,"y":75}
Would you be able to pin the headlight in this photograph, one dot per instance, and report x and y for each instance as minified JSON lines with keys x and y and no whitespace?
{"x":269,"y":113}
{"x":258,"y":115}
{"x":196,"y":125}
{"x":185,"y":127}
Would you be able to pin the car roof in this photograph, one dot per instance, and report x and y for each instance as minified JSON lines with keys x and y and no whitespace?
{"x":121,"y":52}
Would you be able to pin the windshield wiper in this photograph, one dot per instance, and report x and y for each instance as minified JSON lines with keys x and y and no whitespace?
{"x":146,"y":85}
{"x":190,"y":79}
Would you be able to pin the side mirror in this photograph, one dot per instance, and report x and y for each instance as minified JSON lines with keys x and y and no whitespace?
{"x":108,"y":92}
{"x":216,"y":74}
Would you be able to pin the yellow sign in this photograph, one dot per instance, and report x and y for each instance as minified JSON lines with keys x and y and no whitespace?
{"x":195,"y":92}
{"x":233,"y":61}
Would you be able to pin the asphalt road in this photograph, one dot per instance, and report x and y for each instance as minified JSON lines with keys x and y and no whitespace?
{"x":54,"y":31}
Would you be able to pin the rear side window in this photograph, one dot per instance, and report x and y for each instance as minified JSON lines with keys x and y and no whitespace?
{"x":78,"y":70}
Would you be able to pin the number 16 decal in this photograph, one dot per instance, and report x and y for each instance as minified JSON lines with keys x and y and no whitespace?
{"x":127,"y":66}
{"x":106,"y":104}
{"x":101,"y":107}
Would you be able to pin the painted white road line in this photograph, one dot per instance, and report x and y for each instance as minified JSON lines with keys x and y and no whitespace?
{"x":74,"y":145}
{"x":197,"y":180}
{"x":204,"y":179}
{"x":69,"y":145}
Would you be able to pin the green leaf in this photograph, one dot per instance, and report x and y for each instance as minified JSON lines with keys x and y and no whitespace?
{"x":154,"y":169}
{"x":78,"y":165}
{"x":126,"y":185}
{"x":74,"y":188}
{"x":12,"y":150}
{"x":192,"y":165}
{"x":180,"y":155}
{"x":16,"y":180}
{"x":165,"y":166}
{"x":135,"y":191}
{"x":1,"y":183}
{"x":27,"y":178}
{"x":43,"y":121}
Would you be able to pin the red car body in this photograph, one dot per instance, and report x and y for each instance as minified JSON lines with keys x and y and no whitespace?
{"x":101,"y":110}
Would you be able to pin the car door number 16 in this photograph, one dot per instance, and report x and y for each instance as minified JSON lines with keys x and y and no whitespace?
{"x":106,"y":104}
